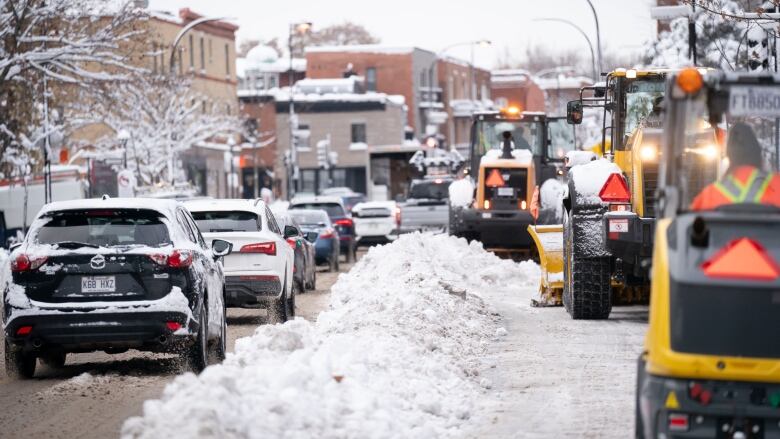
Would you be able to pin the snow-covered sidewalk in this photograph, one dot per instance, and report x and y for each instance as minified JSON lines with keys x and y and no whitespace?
{"x":402,"y":352}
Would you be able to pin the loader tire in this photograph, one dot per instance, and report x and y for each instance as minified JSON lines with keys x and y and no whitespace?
{"x":586,"y":280}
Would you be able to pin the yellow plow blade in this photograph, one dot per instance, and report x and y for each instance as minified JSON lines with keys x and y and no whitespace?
{"x":549,"y":243}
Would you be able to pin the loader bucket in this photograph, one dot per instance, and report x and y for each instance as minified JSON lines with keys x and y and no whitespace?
{"x":549,"y":243}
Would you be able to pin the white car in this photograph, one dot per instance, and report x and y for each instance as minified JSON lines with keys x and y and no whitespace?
{"x":376,"y":222}
{"x":259,"y":272}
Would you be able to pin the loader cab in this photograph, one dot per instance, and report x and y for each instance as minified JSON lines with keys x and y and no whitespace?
{"x":711,"y":366}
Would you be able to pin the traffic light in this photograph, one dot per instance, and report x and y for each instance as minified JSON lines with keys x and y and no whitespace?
{"x":758,"y":48}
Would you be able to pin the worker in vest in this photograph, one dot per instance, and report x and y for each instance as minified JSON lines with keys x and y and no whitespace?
{"x":744,"y":182}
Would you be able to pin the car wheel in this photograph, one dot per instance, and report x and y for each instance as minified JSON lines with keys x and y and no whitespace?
{"x":19,"y":364}
{"x":338,"y":264}
{"x":349,"y":254}
{"x":55,"y":360}
{"x":277,"y":312}
{"x":197,"y":354}
{"x":219,"y":349}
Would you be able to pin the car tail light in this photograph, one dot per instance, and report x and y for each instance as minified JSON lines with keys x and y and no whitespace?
{"x":397,"y":216}
{"x":344,"y":222}
{"x":180,"y":259}
{"x":173,"y":326}
{"x":293,"y":242}
{"x":615,"y":190}
{"x":24,"y":330}
{"x":24,"y":262}
{"x":159,"y":259}
{"x":266,"y":248}
{"x":678,"y":422}
{"x":326,"y":234}
{"x":697,"y":392}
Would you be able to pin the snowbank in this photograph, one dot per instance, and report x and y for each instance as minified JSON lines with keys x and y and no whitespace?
{"x":398,"y":354}
{"x":461,"y":192}
{"x":590,"y":178}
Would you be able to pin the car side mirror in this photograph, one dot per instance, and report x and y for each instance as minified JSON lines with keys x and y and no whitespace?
{"x":290,"y":231}
{"x":312,"y":237}
{"x":220,"y":248}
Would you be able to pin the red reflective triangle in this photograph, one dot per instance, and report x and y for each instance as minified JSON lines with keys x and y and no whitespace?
{"x":742,"y":258}
{"x":495,"y":179}
{"x":615,"y":190}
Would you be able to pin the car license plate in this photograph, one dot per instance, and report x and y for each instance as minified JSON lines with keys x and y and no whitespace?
{"x":506,"y":191}
{"x":754,"y":101}
{"x":98,"y":284}
{"x":618,"y":225}
{"x":487,"y":215}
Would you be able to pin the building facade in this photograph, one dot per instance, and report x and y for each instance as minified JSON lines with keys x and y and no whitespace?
{"x":465,"y":90}
{"x":516,"y":88}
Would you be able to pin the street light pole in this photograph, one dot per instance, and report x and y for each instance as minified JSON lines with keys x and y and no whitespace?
{"x":598,"y":35}
{"x":185,"y":29}
{"x":584,"y":35}
{"x":292,"y":174}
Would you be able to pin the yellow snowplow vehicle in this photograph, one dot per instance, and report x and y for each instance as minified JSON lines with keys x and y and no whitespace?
{"x":711,"y":361}
{"x":605,"y":240}
{"x":511,"y":153}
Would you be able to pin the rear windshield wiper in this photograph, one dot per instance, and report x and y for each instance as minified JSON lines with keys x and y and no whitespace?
{"x":76,"y":244}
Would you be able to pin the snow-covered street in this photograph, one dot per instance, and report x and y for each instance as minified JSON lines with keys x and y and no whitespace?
{"x":426,"y":337}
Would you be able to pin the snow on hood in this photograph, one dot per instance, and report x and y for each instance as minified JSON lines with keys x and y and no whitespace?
{"x":574,"y":158}
{"x":523,"y":156}
{"x":462,"y":192}
{"x":398,"y":355}
{"x":590,"y":178}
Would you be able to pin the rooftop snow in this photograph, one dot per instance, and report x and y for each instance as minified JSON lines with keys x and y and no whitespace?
{"x":167,"y":207}
{"x":282,"y":95}
{"x":575,"y":82}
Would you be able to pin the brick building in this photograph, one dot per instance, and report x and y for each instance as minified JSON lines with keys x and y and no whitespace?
{"x":404,"y":71}
{"x":516,"y":88}
{"x":465,"y":90}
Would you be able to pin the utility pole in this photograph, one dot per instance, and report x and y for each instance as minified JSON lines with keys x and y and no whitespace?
{"x":292,"y":174}
{"x":598,"y":35}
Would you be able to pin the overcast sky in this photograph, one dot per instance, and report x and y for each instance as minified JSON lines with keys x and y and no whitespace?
{"x":435,"y":24}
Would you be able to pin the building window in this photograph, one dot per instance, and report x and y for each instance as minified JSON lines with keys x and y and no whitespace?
{"x":358,"y":133}
{"x":371,"y":79}
{"x":192,"y":53}
{"x":202,"y":55}
{"x":423,"y":76}
{"x":227,"y":59}
{"x":211,"y":53}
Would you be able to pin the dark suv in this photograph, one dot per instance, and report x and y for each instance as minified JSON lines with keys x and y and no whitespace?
{"x":339,"y":216}
{"x":113,"y":275}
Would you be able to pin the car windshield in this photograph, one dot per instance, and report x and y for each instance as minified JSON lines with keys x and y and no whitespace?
{"x":561,"y":138}
{"x":526,"y":134}
{"x":103,"y":228}
{"x":332,"y":209}
{"x":436,"y":189}
{"x":310,"y":217}
{"x":227,"y":221}
{"x":728,"y":164}
{"x":643,"y":102}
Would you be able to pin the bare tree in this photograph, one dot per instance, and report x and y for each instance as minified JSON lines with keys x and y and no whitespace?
{"x":45,"y":44}
{"x":344,"y":34}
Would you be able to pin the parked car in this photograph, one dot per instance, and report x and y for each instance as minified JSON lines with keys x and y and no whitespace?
{"x":427,"y":207}
{"x":259,"y":273}
{"x":305,"y":267}
{"x":376,"y":222}
{"x":339,"y":216}
{"x":113,"y":275}
{"x":316,"y":225}
{"x":349,"y":198}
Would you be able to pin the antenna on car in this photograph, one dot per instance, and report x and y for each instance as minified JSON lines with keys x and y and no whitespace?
{"x":105,"y":197}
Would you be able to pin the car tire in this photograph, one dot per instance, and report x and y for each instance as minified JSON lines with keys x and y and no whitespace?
{"x":334,"y":264}
{"x":587,"y":292}
{"x":55,"y":360}
{"x":218,"y":350}
{"x":349,"y":254}
{"x":277,"y":312}
{"x":291,"y":301}
{"x":18,"y":364}
{"x":196,"y":355}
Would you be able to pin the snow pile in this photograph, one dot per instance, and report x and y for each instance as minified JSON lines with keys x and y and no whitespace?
{"x":574,"y":158}
{"x":397,"y":355}
{"x":461,"y":192}
{"x":523,"y":156}
{"x":590,"y":178}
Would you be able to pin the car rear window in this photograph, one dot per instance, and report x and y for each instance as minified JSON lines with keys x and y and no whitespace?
{"x":227,"y":221}
{"x":332,"y":209}
{"x":309,"y":218}
{"x":437,"y":190}
{"x":104,"y":228}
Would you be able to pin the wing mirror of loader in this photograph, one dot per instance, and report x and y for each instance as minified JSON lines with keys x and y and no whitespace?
{"x":574,"y":112}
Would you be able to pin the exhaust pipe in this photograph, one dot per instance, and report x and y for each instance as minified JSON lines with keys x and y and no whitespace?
{"x":37,"y":343}
{"x":162,"y":339}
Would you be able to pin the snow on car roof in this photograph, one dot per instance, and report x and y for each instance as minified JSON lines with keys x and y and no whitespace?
{"x":164,"y":206}
{"x":315,"y":199}
{"x":224,"y":205}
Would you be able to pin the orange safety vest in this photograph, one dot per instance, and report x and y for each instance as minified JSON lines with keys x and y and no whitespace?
{"x":745,"y":185}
